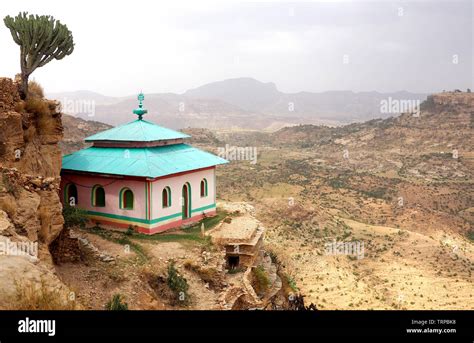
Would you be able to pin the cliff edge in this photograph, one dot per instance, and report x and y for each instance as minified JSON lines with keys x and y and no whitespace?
{"x":30,"y":209}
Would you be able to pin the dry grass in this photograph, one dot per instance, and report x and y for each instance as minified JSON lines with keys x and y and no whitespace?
{"x":43,"y":110}
{"x":37,"y":106}
{"x":35,"y":90}
{"x":20,"y":106}
{"x":45,"y":219}
{"x":31,"y":296}
{"x":8,"y":204}
{"x":29,"y":134}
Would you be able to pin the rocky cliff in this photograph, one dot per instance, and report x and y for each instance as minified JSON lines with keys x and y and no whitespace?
{"x":30,"y":209}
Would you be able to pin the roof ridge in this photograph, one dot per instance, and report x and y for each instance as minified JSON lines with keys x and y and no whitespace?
{"x":137,"y":131}
{"x":147,"y":161}
{"x":142,"y":128}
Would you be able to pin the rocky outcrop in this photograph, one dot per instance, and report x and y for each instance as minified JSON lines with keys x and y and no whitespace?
{"x":241,"y":234}
{"x":30,"y":208}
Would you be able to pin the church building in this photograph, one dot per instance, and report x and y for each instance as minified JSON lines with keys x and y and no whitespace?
{"x":141,"y":175}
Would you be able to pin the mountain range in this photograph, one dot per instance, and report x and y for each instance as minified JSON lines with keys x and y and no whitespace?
{"x":242,"y":102}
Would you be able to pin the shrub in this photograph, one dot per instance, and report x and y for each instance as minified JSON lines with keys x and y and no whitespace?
{"x":35,"y":90}
{"x":74,"y":216}
{"x":116,"y":304}
{"x":33,"y":296}
{"x":130,"y":231}
{"x":43,"y":111}
{"x":291,"y":283}
{"x":261,"y":281}
{"x":236,"y":270}
{"x":470,"y":235}
{"x":177,"y":283}
{"x":37,"y":106}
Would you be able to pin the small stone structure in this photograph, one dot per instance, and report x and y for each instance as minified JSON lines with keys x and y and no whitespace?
{"x":242,"y":239}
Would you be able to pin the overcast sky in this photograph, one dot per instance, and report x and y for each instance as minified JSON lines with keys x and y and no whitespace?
{"x":126,"y":46}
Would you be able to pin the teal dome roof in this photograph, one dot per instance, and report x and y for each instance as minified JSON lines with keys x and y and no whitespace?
{"x":145,"y":162}
{"x":137,"y":131}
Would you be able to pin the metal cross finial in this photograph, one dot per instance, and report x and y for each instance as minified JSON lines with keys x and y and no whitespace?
{"x":140,"y":111}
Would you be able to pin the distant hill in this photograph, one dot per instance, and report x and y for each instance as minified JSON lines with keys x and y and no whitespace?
{"x":247,"y":93}
{"x":75,"y":130}
{"x":445,"y":122}
{"x":242,"y":102}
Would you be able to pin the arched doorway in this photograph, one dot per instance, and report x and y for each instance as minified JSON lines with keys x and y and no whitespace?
{"x":186,"y":200}
{"x":70,"y":195}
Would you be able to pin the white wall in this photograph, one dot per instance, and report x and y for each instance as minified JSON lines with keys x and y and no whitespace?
{"x":176,"y":185}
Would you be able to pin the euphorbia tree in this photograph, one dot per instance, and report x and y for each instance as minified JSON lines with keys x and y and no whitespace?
{"x":41,"y":39}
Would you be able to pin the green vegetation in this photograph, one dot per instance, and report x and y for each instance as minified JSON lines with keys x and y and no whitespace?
{"x":377,"y":193}
{"x":74,"y":216}
{"x":291,"y":283}
{"x":470,"y":235}
{"x":41,"y":39}
{"x":337,"y":183}
{"x":236,"y":270}
{"x":120,"y":238}
{"x":261,"y":280}
{"x":178,"y":284}
{"x":116,"y":304}
{"x":130,"y":231}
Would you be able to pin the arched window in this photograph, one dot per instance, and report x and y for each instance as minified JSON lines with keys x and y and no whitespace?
{"x":203,"y":188}
{"x":126,"y":199}
{"x":166,"y":197}
{"x":98,"y":196}
{"x":70,"y":195}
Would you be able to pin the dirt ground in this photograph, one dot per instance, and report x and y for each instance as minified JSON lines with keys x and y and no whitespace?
{"x":400,"y":269}
{"x":94,"y":282}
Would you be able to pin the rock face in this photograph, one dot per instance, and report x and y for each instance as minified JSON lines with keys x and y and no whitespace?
{"x":30,"y":164}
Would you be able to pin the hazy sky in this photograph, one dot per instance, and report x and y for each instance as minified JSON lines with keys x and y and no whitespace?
{"x":126,"y":46}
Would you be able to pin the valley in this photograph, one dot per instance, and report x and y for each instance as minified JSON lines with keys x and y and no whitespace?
{"x":402,"y":186}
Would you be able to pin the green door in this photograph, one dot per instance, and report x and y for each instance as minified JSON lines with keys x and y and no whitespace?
{"x":186,"y":201}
